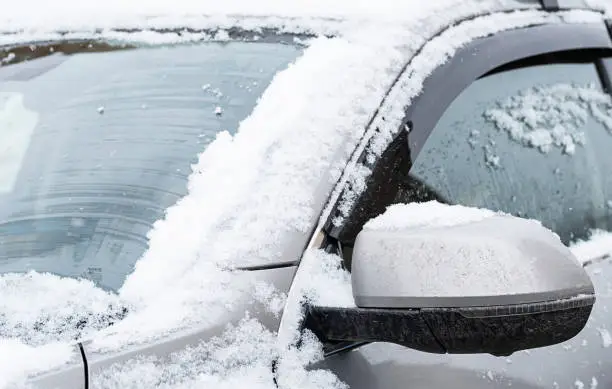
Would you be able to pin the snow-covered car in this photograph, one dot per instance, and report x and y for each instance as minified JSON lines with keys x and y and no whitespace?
{"x":274,"y":195}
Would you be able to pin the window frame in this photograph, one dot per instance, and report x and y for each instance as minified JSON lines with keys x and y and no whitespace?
{"x":475,"y":60}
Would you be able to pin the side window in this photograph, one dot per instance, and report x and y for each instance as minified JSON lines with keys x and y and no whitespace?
{"x":534,"y":142}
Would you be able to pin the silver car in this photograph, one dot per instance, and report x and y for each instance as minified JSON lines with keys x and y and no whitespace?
{"x":504,"y":106}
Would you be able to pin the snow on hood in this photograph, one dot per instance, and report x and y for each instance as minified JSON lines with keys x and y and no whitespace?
{"x":250,"y":193}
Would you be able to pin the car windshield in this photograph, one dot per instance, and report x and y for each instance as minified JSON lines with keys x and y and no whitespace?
{"x":95,"y":146}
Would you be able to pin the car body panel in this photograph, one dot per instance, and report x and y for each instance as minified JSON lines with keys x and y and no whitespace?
{"x":72,"y":376}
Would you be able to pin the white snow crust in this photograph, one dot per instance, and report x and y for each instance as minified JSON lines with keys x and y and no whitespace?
{"x":430,"y":214}
{"x":461,"y":264}
{"x":262,"y":182}
{"x":598,"y":245}
{"x":552,"y":116}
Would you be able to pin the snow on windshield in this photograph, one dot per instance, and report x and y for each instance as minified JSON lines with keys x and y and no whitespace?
{"x":306,"y":124}
{"x":552,"y":116}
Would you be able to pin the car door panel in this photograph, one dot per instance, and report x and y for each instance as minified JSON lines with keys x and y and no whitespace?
{"x":72,"y":376}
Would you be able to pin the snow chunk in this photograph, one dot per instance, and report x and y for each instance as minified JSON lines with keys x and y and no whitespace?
{"x":320,"y":280}
{"x":218,"y":111}
{"x":606,"y":338}
{"x":430,"y":214}
{"x":594,"y":383}
{"x":552,"y":116}
{"x":101,"y":110}
{"x":598,"y":245}
{"x":272,"y":299}
{"x":579,"y":384}
{"x":328,"y":283}
{"x":59,"y":309}
{"x":9,"y":58}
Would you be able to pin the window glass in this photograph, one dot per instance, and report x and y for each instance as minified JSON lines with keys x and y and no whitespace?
{"x":534,"y":142}
{"x":94,"y":147}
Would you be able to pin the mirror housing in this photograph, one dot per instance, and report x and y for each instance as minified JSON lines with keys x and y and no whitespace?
{"x":492,"y":283}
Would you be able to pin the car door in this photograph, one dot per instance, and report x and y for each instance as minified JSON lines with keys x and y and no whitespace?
{"x":518,"y":122}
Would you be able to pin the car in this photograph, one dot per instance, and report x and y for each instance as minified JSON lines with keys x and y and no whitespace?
{"x":292,"y":199}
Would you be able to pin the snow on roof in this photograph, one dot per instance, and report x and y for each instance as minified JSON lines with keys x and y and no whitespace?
{"x":39,"y":20}
{"x":255,"y":196}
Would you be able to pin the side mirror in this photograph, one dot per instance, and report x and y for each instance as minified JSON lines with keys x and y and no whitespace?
{"x":491,"y":283}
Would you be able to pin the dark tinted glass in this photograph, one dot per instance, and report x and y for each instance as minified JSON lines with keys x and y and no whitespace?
{"x":94,"y":147}
{"x":534,"y":142}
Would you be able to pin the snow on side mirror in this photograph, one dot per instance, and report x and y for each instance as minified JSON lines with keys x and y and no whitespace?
{"x":452,"y":279}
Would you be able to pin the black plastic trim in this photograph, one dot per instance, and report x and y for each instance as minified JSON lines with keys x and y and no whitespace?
{"x":608,"y":23}
{"x":498,"y":330}
{"x":483,"y":56}
{"x":604,"y":70}
{"x":550,"y":5}
{"x":278,"y":265}
{"x":85,"y":366}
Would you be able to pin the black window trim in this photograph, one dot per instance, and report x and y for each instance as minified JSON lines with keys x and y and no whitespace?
{"x":483,"y":56}
{"x":468,"y":64}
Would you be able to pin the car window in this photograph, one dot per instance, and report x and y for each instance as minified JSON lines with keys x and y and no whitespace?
{"x":94,"y":147}
{"x":533,"y":142}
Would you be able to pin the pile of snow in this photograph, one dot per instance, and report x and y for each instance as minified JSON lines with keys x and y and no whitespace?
{"x":39,"y":20}
{"x":243,"y":356}
{"x":552,"y":116}
{"x":400,"y":217}
{"x":44,"y":308}
{"x":606,"y":338}
{"x":471,"y":260}
{"x":599,"y":245}
{"x":323,"y":281}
